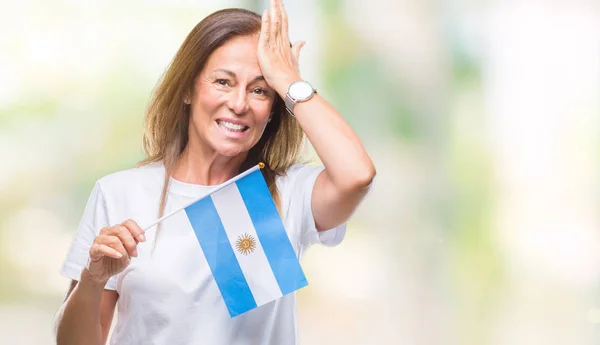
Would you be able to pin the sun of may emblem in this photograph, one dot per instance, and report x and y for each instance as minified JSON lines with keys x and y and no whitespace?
{"x":245,"y":244}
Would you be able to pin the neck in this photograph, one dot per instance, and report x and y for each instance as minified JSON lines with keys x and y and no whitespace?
{"x":197,"y":166}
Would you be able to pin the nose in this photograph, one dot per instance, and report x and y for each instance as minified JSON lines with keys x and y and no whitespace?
{"x":238,"y":101}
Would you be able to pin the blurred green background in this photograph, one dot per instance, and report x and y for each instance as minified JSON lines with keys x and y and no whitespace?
{"x":482,"y":117}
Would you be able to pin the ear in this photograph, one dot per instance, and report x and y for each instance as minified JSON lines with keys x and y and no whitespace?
{"x":271,"y":116}
{"x":186,"y":98}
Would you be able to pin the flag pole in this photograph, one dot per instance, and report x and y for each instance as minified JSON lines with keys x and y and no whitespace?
{"x":260,"y":165}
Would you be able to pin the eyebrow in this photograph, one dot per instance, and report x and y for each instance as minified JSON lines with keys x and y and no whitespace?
{"x":260,"y":77}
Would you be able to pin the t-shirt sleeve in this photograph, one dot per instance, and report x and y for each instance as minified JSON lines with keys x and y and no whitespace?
{"x":299,"y":182}
{"x":95,"y":217}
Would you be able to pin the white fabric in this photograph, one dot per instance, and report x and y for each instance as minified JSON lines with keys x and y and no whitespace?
{"x":167,"y":294}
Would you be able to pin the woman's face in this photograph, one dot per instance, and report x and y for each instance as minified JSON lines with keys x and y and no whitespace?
{"x":231,"y":102}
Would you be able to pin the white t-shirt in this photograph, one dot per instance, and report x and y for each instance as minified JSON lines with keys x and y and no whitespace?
{"x":169,"y":296}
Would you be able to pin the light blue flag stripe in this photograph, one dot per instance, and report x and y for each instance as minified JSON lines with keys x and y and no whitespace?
{"x":271,"y":233}
{"x":220,"y":256}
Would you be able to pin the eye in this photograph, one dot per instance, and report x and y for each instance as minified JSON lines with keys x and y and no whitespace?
{"x":223,"y":82}
{"x":260,"y":91}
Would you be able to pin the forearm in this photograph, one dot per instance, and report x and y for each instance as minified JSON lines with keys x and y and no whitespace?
{"x":337,"y":145}
{"x":79,"y":319}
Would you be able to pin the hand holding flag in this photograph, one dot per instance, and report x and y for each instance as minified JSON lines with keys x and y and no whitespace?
{"x":241,"y":234}
{"x":111,"y":251}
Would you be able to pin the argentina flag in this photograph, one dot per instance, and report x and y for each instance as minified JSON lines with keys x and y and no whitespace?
{"x":245,"y":244}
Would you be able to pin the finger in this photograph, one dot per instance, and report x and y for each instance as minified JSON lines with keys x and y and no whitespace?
{"x":284,"y":22}
{"x":275,"y":29}
{"x":105,"y":230}
{"x":115,"y":243}
{"x":296,"y":47}
{"x":99,"y":250}
{"x":136,"y":231}
{"x":265,"y":28}
{"x":124,"y":237}
{"x":127,"y":240}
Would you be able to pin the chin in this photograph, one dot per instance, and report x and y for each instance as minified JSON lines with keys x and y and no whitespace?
{"x":231,"y":150}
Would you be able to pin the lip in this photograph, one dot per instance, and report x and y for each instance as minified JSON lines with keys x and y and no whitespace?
{"x":237,"y":122}
{"x":230,"y":134}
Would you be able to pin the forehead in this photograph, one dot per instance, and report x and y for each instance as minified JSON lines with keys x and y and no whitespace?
{"x":238,"y":55}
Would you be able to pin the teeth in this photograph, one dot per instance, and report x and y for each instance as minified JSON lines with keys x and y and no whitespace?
{"x":232,"y":126}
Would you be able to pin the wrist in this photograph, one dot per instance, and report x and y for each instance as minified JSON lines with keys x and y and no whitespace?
{"x":284,"y":83}
{"x":87,"y":280}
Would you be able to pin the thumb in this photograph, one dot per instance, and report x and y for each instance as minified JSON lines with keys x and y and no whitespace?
{"x":296,"y":48}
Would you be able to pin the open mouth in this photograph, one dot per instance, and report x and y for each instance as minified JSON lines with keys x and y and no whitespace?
{"x":232,"y":127}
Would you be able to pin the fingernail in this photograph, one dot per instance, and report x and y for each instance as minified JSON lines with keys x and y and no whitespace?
{"x":119,"y":255}
{"x":142,"y":238}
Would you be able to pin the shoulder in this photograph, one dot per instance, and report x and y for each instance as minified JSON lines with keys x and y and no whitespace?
{"x":121,"y":181}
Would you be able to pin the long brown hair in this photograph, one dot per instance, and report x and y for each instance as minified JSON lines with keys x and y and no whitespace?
{"x":167,"y":117}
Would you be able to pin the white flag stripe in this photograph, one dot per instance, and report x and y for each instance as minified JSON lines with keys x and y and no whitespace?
{"x":254,"y":265}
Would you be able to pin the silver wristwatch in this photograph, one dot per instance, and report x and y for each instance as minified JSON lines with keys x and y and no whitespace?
{"x":299,"y":91}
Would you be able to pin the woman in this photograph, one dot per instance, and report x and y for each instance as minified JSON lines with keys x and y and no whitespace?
{"x":231,"y":97}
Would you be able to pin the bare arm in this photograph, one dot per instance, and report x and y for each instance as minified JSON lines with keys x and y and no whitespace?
{"x":348,"y":168}
{"x":86,"y":314}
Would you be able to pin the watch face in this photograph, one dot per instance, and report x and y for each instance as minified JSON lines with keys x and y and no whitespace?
{"x":301,"y":90}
